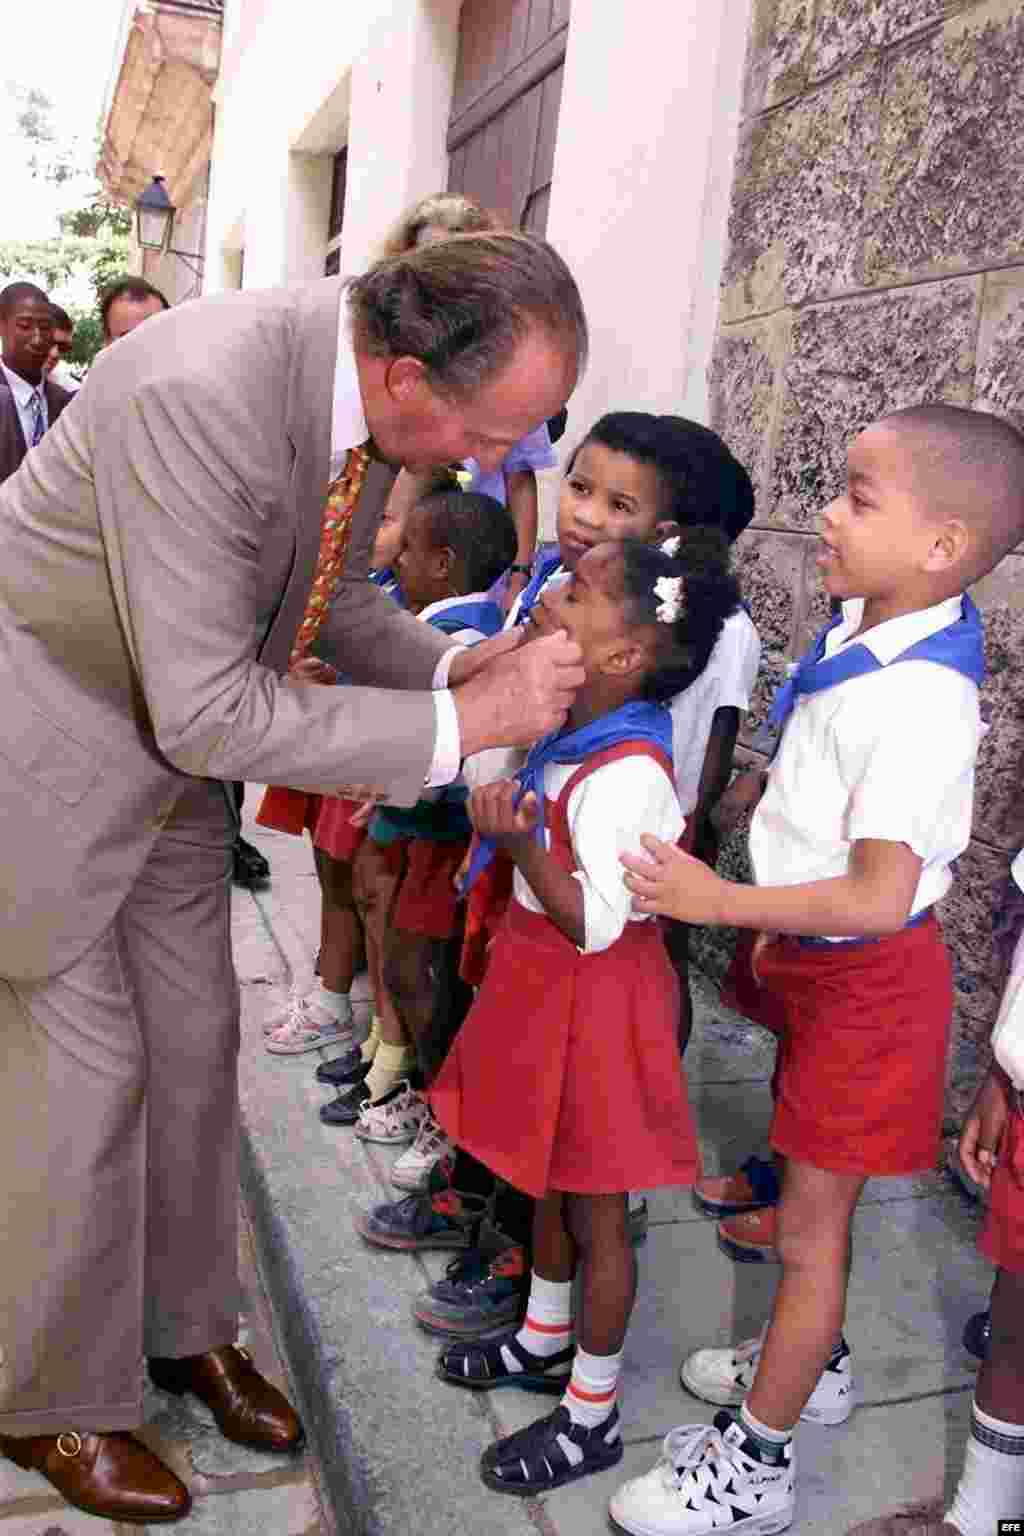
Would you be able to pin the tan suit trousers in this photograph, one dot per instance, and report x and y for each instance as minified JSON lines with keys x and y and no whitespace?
{"x":119,"y":1144}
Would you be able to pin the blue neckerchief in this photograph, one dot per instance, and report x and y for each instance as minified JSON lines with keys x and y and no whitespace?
{"x":481,"y":613}
{"x":639,"y":720}
{"x":388,"y":583}
{"x":545,"y":564}
{"x":960,"y":646}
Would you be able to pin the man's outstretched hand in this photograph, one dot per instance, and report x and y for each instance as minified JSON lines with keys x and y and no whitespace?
{"x":508,"y":694}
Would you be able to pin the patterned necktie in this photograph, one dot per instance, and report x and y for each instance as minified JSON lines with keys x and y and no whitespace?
{"x":335,"y":532}
{"x":38,"y":425}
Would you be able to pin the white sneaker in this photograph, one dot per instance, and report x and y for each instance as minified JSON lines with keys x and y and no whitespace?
{"x":395,"y":1119}
{"x":725,"y":1376}
{"x":412,"y":1169}
{"x":704,"y":1482}
{"x":306,"y":1025}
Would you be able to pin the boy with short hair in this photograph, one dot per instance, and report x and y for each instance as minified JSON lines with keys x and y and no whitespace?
{"x":865,"y":808}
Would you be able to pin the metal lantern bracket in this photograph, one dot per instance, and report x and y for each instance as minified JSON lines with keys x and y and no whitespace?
{"x":154,"y":215}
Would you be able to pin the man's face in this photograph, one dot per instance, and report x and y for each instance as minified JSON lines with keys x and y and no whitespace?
{"x":125,"y":314}
{"x":414,"y":426}
{"x":61,"y":349}
{"x":26,"y":335}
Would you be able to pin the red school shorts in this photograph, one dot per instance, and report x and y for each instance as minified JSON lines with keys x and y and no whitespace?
{"x":860,"y":1076}
{"x":1002,"y":1237}
{"x":427,"y":899}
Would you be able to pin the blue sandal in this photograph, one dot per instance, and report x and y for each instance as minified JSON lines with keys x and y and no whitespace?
{"x":549,"y":1453}
{"x":480,"y":1365}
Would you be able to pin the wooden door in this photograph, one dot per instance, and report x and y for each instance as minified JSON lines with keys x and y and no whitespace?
{"x":504,"y":119}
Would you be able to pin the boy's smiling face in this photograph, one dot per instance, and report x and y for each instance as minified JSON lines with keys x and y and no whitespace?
{"x":880,"y":540}
{"x":607,"y":496}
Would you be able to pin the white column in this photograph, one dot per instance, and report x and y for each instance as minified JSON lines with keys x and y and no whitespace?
{"x":401,"y":96}
{"x":639,"y":203}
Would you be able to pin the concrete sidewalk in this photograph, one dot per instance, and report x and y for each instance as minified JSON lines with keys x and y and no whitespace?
{"x":399,"y":1449}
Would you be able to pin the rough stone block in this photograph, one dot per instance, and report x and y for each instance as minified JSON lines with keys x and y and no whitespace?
{"x":967,"y":923}
{"x":853,"y":361}
{"x":742,"y":387}
{"x":780,"y":35}
{"x":843,"y":29}
{"x":946,"y":193}
{"x":999,"y":802}
{"x":800,"y":194}
{"x":999,"y":383}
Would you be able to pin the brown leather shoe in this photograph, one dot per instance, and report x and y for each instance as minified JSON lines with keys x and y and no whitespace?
{"x":114,"y":1476}
{"x":245,"y":1405}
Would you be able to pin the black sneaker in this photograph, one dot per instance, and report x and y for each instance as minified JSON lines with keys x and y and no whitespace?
{"x":977,"y":1335}
{"x":248,"y":866}
{"x":344,"y":1110}
{"x":428,"y":1219}
{"x":343,"y":1071}
{"x":549,"y":1453}
{"x":477,"y":1294}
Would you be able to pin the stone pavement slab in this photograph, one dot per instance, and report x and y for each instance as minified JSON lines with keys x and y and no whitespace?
{"x":399,"y":1447}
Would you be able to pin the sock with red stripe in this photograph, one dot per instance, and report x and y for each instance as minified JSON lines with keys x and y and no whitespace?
{"x":590,"y":1395}
{"x":547,"y":1327}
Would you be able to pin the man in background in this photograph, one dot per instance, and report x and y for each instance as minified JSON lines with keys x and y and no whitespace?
{"x":56,"y":366}
{"x":29,"y":402}
{"x":125,"y":303}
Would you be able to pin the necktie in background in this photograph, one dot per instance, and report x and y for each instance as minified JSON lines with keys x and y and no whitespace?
{"x":38,"y":424}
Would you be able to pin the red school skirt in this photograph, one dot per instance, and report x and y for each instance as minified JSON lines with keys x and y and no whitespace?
{"x":1002,"y":1237}
{"x":566,"y":1073}
{"x":860,"y":1076}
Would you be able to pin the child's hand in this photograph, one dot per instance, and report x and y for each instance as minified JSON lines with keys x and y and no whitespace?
{"x":672,"y":882}
{"x":762,"y":941}
{"x":983,"y":1129}
{"x":311,"y":670}
{"x":742,"y":796}
{"x":494,"y":813}
{"x":361,"y":816}
{"x":459,"y":878}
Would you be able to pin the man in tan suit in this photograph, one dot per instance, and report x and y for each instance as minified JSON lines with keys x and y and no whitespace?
{"x":159,"y":547}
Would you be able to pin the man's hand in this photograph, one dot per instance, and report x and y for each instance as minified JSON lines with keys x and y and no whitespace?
{"x":517,"y":697}
{"x":673,"y":883}
{"x":494,"y":813}
{"x":983,"y":1129}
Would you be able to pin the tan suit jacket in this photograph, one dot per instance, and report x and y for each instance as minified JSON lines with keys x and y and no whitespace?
{"x":158,"y":549}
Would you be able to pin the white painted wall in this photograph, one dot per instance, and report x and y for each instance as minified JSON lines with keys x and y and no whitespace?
{"x":313,"y":76}
{"x":639,"y":200}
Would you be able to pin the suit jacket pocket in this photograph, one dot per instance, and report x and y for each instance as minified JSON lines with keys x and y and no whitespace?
{"x":44,"y":751}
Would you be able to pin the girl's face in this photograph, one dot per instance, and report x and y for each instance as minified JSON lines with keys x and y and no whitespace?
{"x":606,"y":496}
{"x":590,"y":607}
{"x":423,"y":567}
{"x":389,"y":539}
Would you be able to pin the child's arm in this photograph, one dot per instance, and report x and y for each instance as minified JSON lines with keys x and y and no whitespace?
{"x":983,"y":1129}
{"x":714,"y":776}
{"x":494,"y":814}
{"x":521,"y":495}
{"x":874,"y":896}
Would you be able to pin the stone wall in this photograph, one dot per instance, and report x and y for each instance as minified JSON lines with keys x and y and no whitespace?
{"x":876,"y":260}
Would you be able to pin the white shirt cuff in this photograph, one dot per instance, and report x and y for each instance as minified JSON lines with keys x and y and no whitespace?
{"x":447,"y":759}
{"x":444,"y":666}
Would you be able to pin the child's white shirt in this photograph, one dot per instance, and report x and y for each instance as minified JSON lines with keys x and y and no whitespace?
{"x":607,"y":813}
{"x":888,"y":755}
{"x":727,"y":682}
{"x":461,"y":636}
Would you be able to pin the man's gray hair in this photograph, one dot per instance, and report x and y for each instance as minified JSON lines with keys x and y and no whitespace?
{"x":463,"y":304}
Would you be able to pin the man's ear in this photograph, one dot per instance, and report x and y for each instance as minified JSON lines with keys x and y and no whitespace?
{"x":404,"y":379}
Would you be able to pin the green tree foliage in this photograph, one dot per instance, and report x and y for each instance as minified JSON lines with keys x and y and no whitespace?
{"x":94,"y":237}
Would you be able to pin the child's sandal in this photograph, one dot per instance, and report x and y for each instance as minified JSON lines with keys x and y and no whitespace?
{"x":480,"y":1365}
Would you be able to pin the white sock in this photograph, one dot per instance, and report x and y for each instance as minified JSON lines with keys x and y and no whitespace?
{"x":547,"y":1327}
{"x":590,"y":1395}
{"x":991,"y":1484}
{"x":337,"y":1003}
